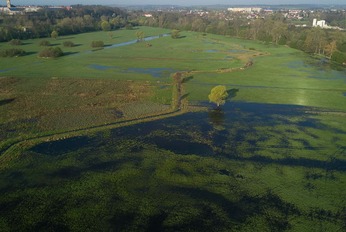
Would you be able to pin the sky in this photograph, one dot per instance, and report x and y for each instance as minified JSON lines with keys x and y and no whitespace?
{"x":170,"y":2}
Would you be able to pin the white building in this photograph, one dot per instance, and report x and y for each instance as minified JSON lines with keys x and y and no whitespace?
{"x":321,"y":23}
{"x":245,"y":9}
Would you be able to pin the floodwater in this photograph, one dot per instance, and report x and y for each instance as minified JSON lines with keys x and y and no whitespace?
{"x":202,"y":171}
{"x":318,"y":68}
{"x":233,"y":124}
{"x":149,"y":38}
{"x":154,"y":72}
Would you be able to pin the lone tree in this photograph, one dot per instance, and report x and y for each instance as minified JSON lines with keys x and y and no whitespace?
{"x":140,"y":35}
{"x":106,"y":26}
{"x":175,"y":34}
{"x":54,"y":34}
{"x":218,"y":95}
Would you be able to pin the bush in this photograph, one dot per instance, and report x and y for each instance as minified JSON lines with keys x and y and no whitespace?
{"x":97,"y":44}
{"x":129,"y":26}
{"x":15,"y":42}
{"x":339,"y":57}
{"x":44,"y":43}
{"x":12,"y":52}
{"x":51,"y":52}
{"x":54,"y":34}
{"x":68,"y":44}
{"x":175,"y":34}
{"x":342,"y":47}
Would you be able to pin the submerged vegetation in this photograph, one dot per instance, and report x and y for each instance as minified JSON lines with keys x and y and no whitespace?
{"x":272,"y":159}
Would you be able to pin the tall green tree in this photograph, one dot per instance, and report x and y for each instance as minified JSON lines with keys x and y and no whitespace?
{"x":140,"y":35}
{"x":106,"y":26}
{"x":54,"y":34}
{"x":175,"y":34}
{"x":218,"y":95}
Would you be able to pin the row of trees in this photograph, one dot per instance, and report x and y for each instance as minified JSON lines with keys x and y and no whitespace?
{"x":272,"y":29}
{"x":77,"y":20}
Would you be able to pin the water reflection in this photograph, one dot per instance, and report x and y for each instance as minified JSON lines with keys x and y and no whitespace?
{"x":217,"y":118}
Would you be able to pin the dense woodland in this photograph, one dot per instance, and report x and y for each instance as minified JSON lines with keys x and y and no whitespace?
{"x":271,"y":29}
{"x":79,"y":19}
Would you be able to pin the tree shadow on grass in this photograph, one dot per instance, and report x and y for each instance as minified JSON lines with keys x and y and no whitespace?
{"x":181,"y":37}
{"x":6,"y":101}
{"x":30,"y":53}
{"x":186,"y":79}
{"x":185,"y":96}
{"x":70,"y":53}
{"x":65,"y":38}
{"x":232,"y":93}
{"x":238,"y":211}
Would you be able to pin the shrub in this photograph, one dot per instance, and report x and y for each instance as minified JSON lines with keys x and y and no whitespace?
{"x":339,"y":57}
{"x":15,"y":42}
{"x":12,"y":52}
{"x":51,"y":52}
{"x":175,"y":34}
{"x":68,"y":44}
{"x":129,"y":26}
{"x":44,"y":43}
{"x":342,"y":47}
{"x":97,"y":44}
{"x":54,"y":34}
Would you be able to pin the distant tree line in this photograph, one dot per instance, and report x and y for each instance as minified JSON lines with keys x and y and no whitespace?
{"x":273,"y":29}
{"x":79,"y":19}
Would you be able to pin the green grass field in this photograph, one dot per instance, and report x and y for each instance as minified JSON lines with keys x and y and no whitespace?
{"x":273,"y":159}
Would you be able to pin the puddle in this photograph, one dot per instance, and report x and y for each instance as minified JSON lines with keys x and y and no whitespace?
{"x":212,"y":51}
{"x":155,"y":72}
{"x":101,"y":67}
{"x":237,"y":51}
{"x":6,"y":70}
{"x":136,"y":41}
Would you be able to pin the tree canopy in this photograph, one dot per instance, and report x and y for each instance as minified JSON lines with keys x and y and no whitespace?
{"x":218,"y":95}
{"x":54,"y":34}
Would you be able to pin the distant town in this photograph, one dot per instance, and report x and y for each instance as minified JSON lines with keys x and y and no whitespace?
{"x":299,"y":15}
